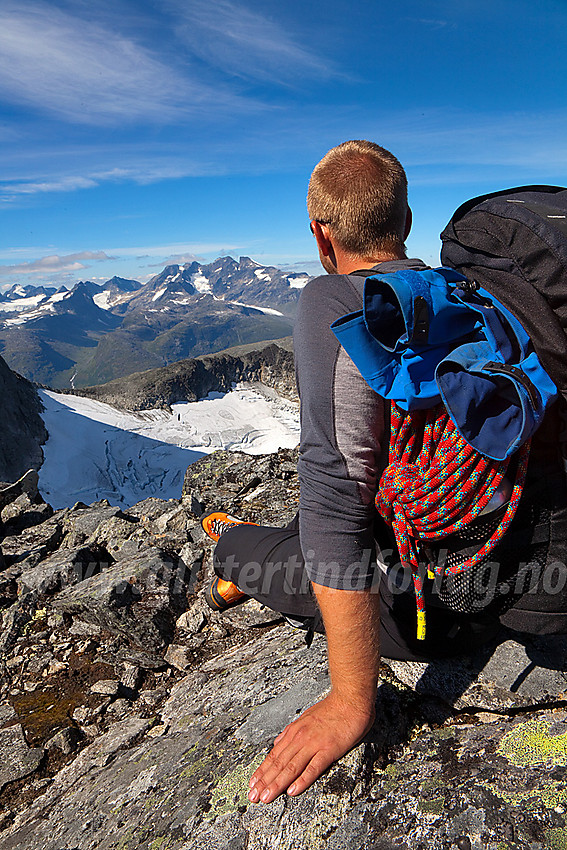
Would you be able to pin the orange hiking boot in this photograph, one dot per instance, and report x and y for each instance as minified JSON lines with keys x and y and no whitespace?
{"x":218,"y":522}
{"x":221,"y":595}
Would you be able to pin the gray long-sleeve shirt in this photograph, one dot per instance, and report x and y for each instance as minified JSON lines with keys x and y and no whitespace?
{"x":343,"y":426}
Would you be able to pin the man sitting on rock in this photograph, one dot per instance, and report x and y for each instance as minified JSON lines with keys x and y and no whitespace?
{"x":329,"y":563}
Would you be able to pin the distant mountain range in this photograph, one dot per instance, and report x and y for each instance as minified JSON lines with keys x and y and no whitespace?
{"x":97,"y":332}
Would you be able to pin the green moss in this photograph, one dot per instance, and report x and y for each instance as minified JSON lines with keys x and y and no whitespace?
{"x":162,"y":843}
{"x":556,"y":839}
{"x":432,"y":783}
{"x":530,"y":744}
{"x":550,"y":796}
{"x":231,"y":791}
{"x":444,"y":732}
{"x":433,"y":807}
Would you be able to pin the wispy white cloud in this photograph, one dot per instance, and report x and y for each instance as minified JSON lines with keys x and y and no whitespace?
{"x":434,"y":24}
{"x":84,"y":72}
{"x":176,"y":251}
{"x":62,"y":184}
{"x":54,"y":264}
{"x":245,"y":43}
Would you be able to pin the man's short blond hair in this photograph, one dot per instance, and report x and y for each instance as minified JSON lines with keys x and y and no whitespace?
{"x":360,"y":190}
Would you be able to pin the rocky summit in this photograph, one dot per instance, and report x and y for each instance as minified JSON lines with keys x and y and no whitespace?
{"x":131,"y":716}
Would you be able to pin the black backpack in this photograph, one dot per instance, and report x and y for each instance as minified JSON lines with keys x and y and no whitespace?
{"x":514,"y":244}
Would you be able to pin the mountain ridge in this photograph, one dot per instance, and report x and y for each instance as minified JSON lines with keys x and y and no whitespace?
{"x":95,"y":332}
{"x":191,"y":379}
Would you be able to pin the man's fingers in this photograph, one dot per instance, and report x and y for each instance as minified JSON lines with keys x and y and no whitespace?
{"x":279,"y":744}
{"x":312,"y":772}
{"x":277,"y":772}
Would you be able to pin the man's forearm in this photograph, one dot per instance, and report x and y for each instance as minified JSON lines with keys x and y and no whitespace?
{"x":352,"y":626}
{"x":332,"y":727}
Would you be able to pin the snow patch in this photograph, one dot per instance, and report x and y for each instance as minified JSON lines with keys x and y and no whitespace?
{"x":262,"y":275}
{"x":22,"y":304}
{"x":104,"y":300}
{"x":269,"y":310}
{"x":95,"y":451}
{"x":59,"y":296}
{"x":200,"y":282}
{"x":297,"y":282}
{"x":159,"y":293}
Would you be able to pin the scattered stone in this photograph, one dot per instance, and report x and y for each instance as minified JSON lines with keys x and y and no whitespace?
{"x":56,"y":667}
{"x":131,"y":677}
{"x":82,"y":629}
{"x":149,"y":510}
{"x":191,"y":556}
{"x":29,"y":546}
{"x":82,"y":522}
{"x":14,"y":620}
{"x":7,"y":713}
{"x":179,"y":656}
{"x":24,"y":513}
{"x":106,"y":687}
{"x":112,"y":533}
{"x":153,"y":697}
{"x":66,"y":740}
{"x":158,"y":731}
{"x":66,"y":567}
{"x":138,"y":599}
{"x":489,"y":777}
{"x":38,"y":663}
{"x":16,"y":758}
{"x":27,"y":484}
{"x":145,"y":660}
{"x":82,"y":714}
{"x":119,"y":708}
{"x":193,"y":620}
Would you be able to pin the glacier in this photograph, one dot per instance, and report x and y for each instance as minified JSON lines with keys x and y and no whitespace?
{"x":96,"y":451}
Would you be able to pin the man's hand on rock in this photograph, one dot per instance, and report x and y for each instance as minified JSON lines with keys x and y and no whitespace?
{"x":308,"y":746}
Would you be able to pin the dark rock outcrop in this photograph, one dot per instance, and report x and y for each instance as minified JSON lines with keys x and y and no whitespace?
{"x":131,"y":715}
{"x":23,"y":432}
{"x":190,"y":380}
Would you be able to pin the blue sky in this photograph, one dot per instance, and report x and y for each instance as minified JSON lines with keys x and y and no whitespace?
{"x":139,"y":133}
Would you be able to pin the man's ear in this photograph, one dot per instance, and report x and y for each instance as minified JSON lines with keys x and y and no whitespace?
{"x":322,"y":237}
{"x":409,"y":220}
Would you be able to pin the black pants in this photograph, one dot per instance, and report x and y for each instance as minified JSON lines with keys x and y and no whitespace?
{"x":267,"y":564}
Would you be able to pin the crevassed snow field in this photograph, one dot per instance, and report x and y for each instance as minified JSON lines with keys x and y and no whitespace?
{"x":95,"y":451}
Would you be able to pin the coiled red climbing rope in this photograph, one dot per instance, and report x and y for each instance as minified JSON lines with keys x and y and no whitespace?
{"x":435,"y":484}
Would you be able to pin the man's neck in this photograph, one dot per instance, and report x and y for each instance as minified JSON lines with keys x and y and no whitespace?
{"x":348,"y":263}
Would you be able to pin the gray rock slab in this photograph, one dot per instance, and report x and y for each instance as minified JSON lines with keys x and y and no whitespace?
{"x":25,"y":512}
{"x":66,"y":567}
{"x":14,"y":620}
{"x":6,"y":713}
{"x":82,"y":522}
{"x":138,"y":598}
{"x":16,"y":758}
{"x":483,"y":786}
{"x":27,"y":484}
{"x":503,"y":676}
{"x":44,"y":537}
